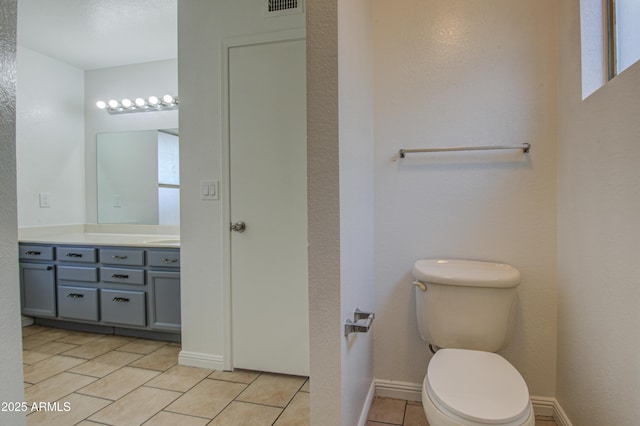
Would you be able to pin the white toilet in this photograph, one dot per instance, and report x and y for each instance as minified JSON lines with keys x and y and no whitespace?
{"x":466,"y":309}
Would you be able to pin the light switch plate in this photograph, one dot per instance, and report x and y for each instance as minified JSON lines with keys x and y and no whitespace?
{"x":209,"y":190}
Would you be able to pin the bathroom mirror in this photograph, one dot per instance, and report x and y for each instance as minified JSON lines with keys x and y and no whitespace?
{"x":138,"y":177}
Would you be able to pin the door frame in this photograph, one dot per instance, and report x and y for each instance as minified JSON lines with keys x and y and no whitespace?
{"x":225,"y":185}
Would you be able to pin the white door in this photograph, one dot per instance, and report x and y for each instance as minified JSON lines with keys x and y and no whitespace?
{"x":268,"y":181}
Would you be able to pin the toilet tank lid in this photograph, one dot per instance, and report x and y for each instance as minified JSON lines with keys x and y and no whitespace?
{"x":470,"y":273}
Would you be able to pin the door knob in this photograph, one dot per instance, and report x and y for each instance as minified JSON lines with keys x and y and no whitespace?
{"x":238,"y":227}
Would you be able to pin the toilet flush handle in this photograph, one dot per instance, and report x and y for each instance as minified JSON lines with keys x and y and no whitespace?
{"x":422,"y":286}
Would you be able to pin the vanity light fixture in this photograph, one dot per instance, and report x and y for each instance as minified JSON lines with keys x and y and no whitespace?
{"x":152,"y":103}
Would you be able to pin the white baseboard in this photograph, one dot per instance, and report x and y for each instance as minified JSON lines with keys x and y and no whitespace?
{"x":398,"y":390}
{"x":548,"y":406}
{"x":27,"y":321}
{"x":364,"y":414}
{"x":560,"y":416}
{"x":201,"y":360}
{"x":542,"y":406}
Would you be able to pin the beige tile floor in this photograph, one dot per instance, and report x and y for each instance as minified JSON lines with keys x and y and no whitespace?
{"x":397,"y":412}
{"x":115,"y":380}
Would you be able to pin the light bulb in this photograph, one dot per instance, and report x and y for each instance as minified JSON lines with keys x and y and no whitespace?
{"x":140,"y":102}
{"x":101,"y":105}
{"x":127,"y":103}
{"x":167,"y":99}
{"x":153,"y":100}
{"x":113,"y":104}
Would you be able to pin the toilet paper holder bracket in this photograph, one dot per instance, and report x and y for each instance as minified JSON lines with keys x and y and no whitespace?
{"x":361,"y":322}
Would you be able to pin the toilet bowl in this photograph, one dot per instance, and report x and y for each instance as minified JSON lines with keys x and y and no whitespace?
{"x":465,"y":387}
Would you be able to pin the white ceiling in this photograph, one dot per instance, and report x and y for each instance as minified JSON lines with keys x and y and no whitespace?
{"x":92,"y":34}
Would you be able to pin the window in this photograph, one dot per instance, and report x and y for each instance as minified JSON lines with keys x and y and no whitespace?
{"x":610,"y":40}
{"x":623,"y":34}
{"x":168,"y":179}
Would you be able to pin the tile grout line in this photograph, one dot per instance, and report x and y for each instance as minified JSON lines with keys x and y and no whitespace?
{"x":145,"y":384}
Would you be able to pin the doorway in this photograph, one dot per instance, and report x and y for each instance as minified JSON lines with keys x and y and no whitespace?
{"x":268,"y":274}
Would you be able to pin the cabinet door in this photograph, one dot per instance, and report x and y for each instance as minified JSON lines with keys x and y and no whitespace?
{"x":164,"y":300}
{"x":38,"y":289}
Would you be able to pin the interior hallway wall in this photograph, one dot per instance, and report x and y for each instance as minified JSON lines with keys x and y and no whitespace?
{"x":458,"y":73}
{"x":202,"y":26}
{"x":12,"y":388}
{"x":50,"y":140}
{"x":355,"y":105}
{"x":598,"y":239}
{"x":340,"y":182}
{"x":323,"y":193}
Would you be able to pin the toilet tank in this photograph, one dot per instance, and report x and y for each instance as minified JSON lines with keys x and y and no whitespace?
{"x":467,"y":304}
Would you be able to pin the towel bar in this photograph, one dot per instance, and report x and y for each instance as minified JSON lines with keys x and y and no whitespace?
{"x":525,"y":147}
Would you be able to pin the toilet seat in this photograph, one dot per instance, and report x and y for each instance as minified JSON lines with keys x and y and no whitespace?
{"x":477,"y":388}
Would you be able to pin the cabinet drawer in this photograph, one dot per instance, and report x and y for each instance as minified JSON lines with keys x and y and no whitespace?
{"x":76,"y":254}
{"x":123,"y":276}
{"x":78,"y":303}
{"x":122,"y":257}
{"x":164,"y":258}
{"x":123,"y":307}
{"x":77,"y":273}
{"x":32,"y":252}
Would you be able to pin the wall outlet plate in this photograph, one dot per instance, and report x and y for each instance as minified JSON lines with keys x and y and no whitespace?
{"x":45,"y":200}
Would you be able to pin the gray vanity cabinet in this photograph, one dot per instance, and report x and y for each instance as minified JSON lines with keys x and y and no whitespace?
{"x":132,"y":288}
{"x":37,"y":280}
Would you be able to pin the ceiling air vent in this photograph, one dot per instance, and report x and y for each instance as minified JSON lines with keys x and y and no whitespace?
{"x":282,"y":7}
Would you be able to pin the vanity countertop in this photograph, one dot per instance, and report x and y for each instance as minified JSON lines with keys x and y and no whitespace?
{"x":113,"y":235}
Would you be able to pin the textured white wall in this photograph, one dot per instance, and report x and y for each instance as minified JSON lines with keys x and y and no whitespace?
{"x":50,"y":140}
{"x":129,"y":81}
{"x":12,"y":388}
{"x":201,"y":28}
{"x":598,"y":240}
{"x":340,"y":177}
{"x":458,"y":73}
{"x":323,"y":180}
{"x":355,"y":83}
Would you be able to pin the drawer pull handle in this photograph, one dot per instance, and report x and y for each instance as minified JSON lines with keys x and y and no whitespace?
{"x":121,"y":276}
{"x":121,"y":299}
{"x":33,"y":253}
{"x":170,"y":260}
{"x":116,"y":257}
{"x":74,"y":254}
{"x":49,"y":268}
{"x":75,"y":295}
